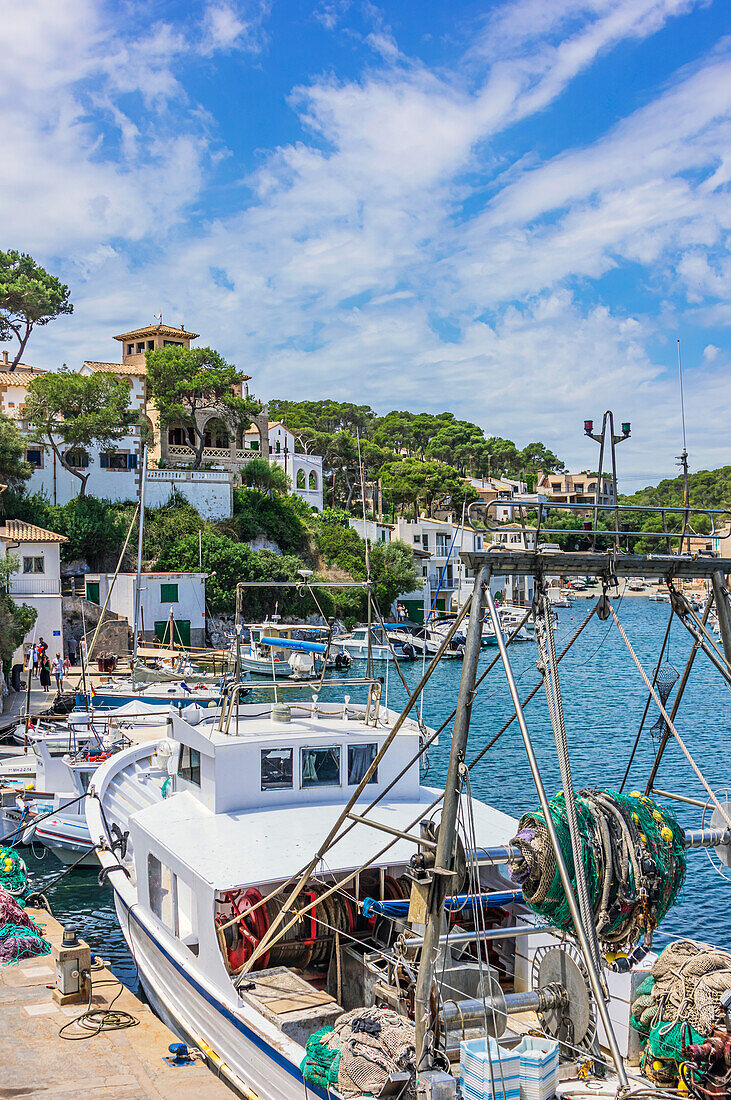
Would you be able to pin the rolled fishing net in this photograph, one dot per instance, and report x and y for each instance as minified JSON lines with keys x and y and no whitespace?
{"x":13,"y":873}
{"x":633,"y":855}
{"x":320,"y":1063}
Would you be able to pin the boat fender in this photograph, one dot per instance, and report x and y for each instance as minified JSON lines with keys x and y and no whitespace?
{"x":622,"y":964}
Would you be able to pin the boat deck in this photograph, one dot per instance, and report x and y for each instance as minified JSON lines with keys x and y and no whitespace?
{"x":126,"y":1065}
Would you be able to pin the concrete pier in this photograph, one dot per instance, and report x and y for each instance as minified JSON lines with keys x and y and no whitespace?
{"x":125,"y":1065}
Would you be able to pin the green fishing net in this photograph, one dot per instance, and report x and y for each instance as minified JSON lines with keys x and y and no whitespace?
{"x":21,"y":941}
{"x":665,"y":1040}
{"x":13,"y":873}
{"x":656,"y":840}
{"x":320,"y":1063}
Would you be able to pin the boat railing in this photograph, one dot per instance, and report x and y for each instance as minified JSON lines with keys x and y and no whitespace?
{"x":479,"y":514}
{"x":232,"y":693}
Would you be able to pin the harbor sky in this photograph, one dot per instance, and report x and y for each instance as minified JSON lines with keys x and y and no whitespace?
{"x":510,"y":210}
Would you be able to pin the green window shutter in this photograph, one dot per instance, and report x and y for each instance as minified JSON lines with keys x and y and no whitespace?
{"x":168,"y":593}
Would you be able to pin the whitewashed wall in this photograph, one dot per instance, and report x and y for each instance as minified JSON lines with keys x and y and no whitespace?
{"x":209,"y":491}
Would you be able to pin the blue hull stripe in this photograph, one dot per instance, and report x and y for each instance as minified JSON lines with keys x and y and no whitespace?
{"x":267,"y":1049}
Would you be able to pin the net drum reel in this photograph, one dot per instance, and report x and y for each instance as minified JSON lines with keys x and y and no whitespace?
{"x":307,"y":945}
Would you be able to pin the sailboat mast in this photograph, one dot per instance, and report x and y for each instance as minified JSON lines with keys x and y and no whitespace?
{"x":444,"y":855}
{"x":140,"y":541}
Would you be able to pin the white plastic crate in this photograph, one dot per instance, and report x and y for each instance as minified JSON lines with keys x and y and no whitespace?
{"x":538,"y":1067}
{"x":476,"y":1057}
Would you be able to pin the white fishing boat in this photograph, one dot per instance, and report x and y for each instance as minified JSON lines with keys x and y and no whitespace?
{"x":214,"y":821}
{"x":309,"y":915}
{"x":276,"y":650}
{"x":116,"y":692}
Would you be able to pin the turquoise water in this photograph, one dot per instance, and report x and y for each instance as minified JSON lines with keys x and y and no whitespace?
{"x":604,"y":697}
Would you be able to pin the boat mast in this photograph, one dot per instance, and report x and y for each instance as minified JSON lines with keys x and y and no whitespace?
{"x":444,"y":855}
{"x":140,"y":541}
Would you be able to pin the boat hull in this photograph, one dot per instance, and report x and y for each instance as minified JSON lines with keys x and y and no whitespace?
{"x":252,"y":1063}
{"x":67,"y":836}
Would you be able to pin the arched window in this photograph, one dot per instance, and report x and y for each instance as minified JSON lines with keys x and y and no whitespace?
{"x":301,"y":482}
{"x":215,"y":434}
{"x":313,"y":480}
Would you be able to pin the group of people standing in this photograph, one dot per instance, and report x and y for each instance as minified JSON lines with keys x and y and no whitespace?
{"x":42,"y":667}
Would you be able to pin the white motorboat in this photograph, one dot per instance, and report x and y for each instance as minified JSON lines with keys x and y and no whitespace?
{"x":356,"y":644}
{"x":426,"y":641}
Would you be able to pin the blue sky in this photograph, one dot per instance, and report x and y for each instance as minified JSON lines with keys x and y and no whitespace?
{"x":511,"y":210}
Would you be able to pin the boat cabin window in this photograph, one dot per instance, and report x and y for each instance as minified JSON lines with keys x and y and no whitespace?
{"x":160,"y":890}
{"x":276,"y":769}
{"x":360,"y":758}
{"x":320,"y":767}
{"x":189,"y":765}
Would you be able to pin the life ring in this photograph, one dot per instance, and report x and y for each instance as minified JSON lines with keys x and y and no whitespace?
{"x":252,"y":926}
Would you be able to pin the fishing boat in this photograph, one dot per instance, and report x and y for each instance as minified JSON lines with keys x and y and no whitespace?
{"x":310,"y":915}
{"x":427,"y":640}
{"x":636,"y":584}
{"x":277,"y":650}
{"x":117,"y":692}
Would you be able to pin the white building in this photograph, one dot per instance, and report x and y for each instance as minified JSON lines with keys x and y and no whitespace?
{"x":115,"y":475}
{"x":372,"y":529}
{"x":304,"y":470}
{"x":183,"y":594}
{"x":437,"y":544}
{"x":36,"y":581}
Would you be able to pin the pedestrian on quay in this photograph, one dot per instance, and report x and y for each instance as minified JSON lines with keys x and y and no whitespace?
{"x":35,"y":661}
{"x":66,"y":666}
{"x":58,"y":671}
{"x":45,"y":666}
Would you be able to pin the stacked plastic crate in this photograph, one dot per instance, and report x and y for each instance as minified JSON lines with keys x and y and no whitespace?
{"x":538,"y":1067}
{"x":488,"y":1071}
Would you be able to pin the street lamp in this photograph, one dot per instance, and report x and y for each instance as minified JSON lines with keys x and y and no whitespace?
{"x":601,"y":439}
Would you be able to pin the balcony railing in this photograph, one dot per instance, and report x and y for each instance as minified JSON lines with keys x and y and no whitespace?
{"x":35,"y":586}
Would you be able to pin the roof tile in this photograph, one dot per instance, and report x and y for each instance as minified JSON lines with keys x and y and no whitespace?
{"x":17,"y":530}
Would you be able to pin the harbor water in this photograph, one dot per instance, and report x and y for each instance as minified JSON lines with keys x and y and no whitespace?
{"x":604,"y":697}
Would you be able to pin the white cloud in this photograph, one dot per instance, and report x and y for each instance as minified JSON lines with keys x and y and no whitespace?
{"x":234,"y":26}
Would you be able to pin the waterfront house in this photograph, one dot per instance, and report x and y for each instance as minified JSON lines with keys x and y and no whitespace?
{"x":36,"y":581}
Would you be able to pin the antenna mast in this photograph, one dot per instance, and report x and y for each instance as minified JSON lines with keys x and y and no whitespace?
{"x":683,"y":458}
